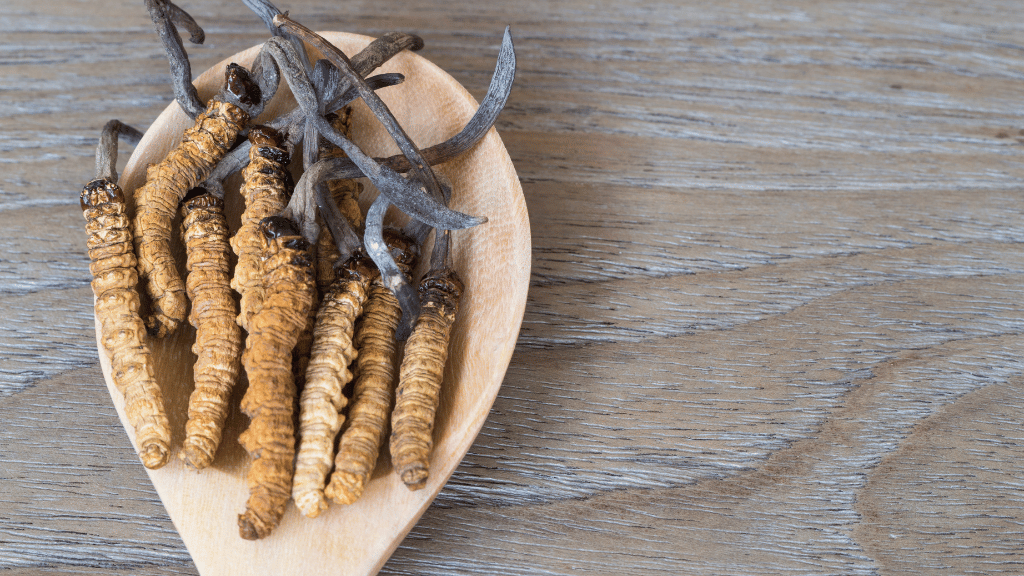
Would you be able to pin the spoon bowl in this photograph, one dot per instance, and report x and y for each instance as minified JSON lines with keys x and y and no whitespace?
{"x":494,"y":262}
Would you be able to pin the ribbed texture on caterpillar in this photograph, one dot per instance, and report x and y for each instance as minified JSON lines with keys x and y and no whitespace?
{"x":304,"y":345}
{"x":328,"y":373}
{"x":270,"y":399}
{"x":371,"y":397}
{"x":412,"y":422}
{"x":374,"y":386}
{"x":265,"y":192}
{"x":167,"y":182}
{"x":113,"y":267}
{"x":218,"y":338}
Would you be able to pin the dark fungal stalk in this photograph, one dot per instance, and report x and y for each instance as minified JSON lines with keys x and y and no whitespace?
{"x":482,"y":120}
{"x":419,"y":167}
{"x":368,"y":59}
{"x":106,"y":150}
{"x":415,"y":197}
{"x":409,"y":193}
{"x":165,"y":15}
{"x":266,"y":12}
{"x":238,"y":158}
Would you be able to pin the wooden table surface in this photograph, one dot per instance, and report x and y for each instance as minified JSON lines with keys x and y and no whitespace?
{"x":774,"y":324}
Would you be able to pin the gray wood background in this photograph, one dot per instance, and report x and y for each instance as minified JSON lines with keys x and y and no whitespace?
{"x":774,"y":325}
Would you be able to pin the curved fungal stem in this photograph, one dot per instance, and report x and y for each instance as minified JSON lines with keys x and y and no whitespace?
{"x":287,"y":124}
{"x":182,"y":19}
{"x":482,"y":120}
{"x":106,"y":149}
{"x":419,"y":167}
{"x":165,"y":15}
{"x":410,"y":196}
{"x":392,"y":275}
{"x":266,"y":12}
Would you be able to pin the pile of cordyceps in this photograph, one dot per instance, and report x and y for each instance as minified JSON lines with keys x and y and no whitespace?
{"x":300,"y":289}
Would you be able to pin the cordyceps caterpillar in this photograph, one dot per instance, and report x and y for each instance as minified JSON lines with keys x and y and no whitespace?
{"x":265,"y":191}
{"x":112,"y":263}
{"x":374,"y":387}
{"x":322,"y":401}
{"x":269,"y":401}
{"x":218,"y":338}
{"x":166,"y":184}
{"x":419,"y":388}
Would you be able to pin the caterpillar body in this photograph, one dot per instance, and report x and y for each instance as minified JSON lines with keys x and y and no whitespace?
{"x":374,"y":386}
{"x":218,"y":338}
{"x":328,"y":373}
{"x":412,"y":422}
{"x":269,"y":401}
{"x":113,"y":267}
{"x":157,"y":201}
{"x":265,"y":192}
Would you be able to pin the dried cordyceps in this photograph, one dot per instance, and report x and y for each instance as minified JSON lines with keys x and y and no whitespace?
{"x":269,"y":401}
{"x":167,"y":182}
{"x":374,"y":386}
{"x":328,"y":373}
{"x":218,"y":337}
{"x":419,"y":388}
{"x":117,"y":308}
{"x":265,"y":192}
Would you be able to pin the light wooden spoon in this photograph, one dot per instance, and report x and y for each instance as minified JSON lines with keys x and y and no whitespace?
{"x":494,"y":261}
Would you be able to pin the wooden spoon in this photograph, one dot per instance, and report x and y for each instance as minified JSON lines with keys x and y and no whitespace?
{"x":493,"y":259}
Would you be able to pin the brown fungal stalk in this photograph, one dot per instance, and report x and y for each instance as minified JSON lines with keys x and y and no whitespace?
{"x":218,"y":338}
{"x":112,"y":263}
{"x":375,"y":381}
{"x":167,"y":182}
{"x":419,"y":388}
{"x":265,"y":192}
{"x":269,"y":401}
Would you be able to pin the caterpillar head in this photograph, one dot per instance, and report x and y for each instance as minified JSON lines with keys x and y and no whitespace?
{"x":240,"y":87}
{"x":100,"y":191}
{"x":403,"y":249}
{"x":197,"y":198}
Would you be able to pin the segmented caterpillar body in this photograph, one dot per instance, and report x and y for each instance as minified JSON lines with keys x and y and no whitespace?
{"x":270,"y":399}
{"x":157,"y":201}
{"x":218,"y":338}
{"x":328,"y":373}
{"x":265,"y":192}
{"x":113,"y":267}
{"x":374,"y":386}
{"x":412,"y":422}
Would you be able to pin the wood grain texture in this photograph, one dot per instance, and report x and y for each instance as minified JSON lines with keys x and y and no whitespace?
{"x":774,"y":324}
